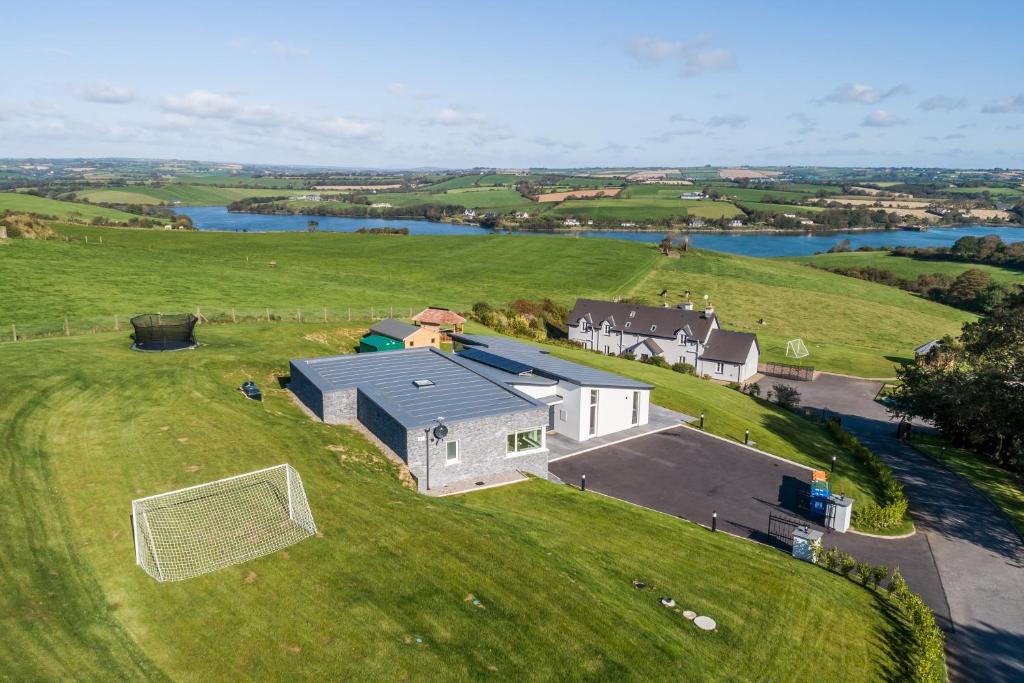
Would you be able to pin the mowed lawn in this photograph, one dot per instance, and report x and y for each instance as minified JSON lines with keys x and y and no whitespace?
{"x":136,"y":271}
{"x":850,"y":326}
{"x":386,"y":590}
{"x":907,"y":267}
{"x":195,"y":195}
{"x":27,"y":203}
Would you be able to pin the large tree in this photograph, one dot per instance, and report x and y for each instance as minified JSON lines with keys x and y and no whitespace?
{"x":972,"y":388}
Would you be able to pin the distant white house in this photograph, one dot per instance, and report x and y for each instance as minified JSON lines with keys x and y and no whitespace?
{"x":628,"y":224}
{"x":735,"y":223}
{"x":805,"y":221}
{"x":522,"y":214}
{"x":380,"y":205}
{"x":306,"y":198}
{"x":469,"y":213}
{"x":570,"y":222}
{"x":679,"y":335}
{"x":590,"y":222}
{"x":789,"y":215}
{"x":693,"y":195}
{"x":696,"y":223}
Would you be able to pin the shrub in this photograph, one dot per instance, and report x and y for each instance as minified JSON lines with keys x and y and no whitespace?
{"x":786,"y":396}
{"x":754,"y":389}
{"x":656,"y":361}
{"x":628,"y":355}
{"x":684,"y":368}
{"x":878,"y":574}
{"x":846,"y":563}
{"x":864,"y":573}
{"x":894,"y":503}
{"x":830,"y":559}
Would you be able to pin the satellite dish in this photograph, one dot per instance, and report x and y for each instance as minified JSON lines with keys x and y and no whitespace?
{"x":440,"y":431}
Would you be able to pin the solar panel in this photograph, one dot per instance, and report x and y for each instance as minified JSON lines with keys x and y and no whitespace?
{"x":514,"y":367}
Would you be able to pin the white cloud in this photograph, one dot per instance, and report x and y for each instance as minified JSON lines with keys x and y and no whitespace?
{"x":690,"y":58}
{"x":858,"y":93}
{"x":670,"y":135}
{"x":728,"y":121}
{"x":882,"y":119}
{"x":339,"y":128}
{"x":943,"y":102}
{"x":450,"y":116}
{"x":103,"y":92}
{"x":1005,"y":106}
{"x":202,"y":104}
{"x":807,"y":124}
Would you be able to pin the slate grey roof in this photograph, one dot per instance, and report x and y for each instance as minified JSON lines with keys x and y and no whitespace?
{"x":546,"y":365}
{"x":458,"y":393}
{"x":666,"y":321}
{"x":396,"y":329}
{"x":729,"y":346}
{"x":927,"y":346}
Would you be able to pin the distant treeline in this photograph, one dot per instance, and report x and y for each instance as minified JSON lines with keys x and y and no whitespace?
{"x":973,"y":290}
{"x":279,"y":206}
{"x":990,"y":249}
{"x":383,"y":231}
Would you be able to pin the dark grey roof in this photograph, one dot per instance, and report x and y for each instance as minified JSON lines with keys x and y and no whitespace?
{"x":666,"y":321}
{"x":927,"y":346}
{"x":458,"y":392}
{"x":729,"y":346}
{"x":546,"y":365}
{"x":396,"y":329}
{"x":496,"y":375}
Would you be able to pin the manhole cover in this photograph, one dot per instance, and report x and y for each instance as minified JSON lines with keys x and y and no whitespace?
{"x":690,"y":614}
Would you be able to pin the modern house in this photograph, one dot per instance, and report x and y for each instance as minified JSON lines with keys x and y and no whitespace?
{"x":446,"y":420}
{"x":582,"y":402}
{"x":693,"y":195}
{"x":411,"y":336}
{"x":679,"y":335}
{"x":437,"y":319}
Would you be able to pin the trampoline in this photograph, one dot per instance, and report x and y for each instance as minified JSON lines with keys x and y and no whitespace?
{"x":159,"y":332}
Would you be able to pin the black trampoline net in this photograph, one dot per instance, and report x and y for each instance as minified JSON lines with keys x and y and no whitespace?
{"x":162,"y":332}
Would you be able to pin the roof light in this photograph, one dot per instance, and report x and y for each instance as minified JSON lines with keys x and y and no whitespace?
{"x":423,"y":383}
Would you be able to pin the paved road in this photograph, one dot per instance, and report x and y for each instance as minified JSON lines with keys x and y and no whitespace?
{"x":980,"y":558}
{"x":689,"y":474}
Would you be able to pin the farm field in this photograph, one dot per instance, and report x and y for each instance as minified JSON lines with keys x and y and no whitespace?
{"x":195,"y":195}
{"x":780,"y":208}
{"x":906,"y":267}
{"x":386,"y":590}
{"x":1003,"y":192}
{"x":850,"y":326}
{"x":492,"y":180}
{"x":887,"y":203}
{"x":561,"y":196}
{"x":235,"y":180}
{"x":26,"y":203}
{"x":224,"y":270}
{"x":643,"y":208}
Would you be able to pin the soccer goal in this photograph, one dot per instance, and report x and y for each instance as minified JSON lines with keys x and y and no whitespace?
{"x":795,"y":348}
{"x":192,"y":531}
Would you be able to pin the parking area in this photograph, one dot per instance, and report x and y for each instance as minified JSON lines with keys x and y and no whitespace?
{"x":689,"y":474}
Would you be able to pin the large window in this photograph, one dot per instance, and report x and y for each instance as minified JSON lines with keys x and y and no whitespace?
{"x":451,"y":455}
{"x":720,"y":368}
{"x":636,"y":408}
{"x":525,"y":441}
{"x":593,"y":412}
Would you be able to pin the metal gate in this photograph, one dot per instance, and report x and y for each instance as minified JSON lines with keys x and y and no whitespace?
{"x":830,"y":515}
{"x":780,"y":530}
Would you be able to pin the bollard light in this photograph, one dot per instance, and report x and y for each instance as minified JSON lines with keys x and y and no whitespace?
{"x":702,"y":420}
{"x":833,"y":464}
{"x":583,"y":482}
{"x":746,"y":437}
{"x":714,"y":521}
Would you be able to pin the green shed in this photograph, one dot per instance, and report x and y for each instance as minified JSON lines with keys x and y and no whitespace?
{"x":376,"y":342}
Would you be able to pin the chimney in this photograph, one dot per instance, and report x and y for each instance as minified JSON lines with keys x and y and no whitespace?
{"x":709,"y":310}
{"x":686,"y":306}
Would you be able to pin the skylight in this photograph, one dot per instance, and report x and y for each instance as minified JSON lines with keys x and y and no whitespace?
{"x":423,"y":383}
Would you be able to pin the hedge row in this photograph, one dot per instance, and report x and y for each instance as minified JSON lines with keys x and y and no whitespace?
{"x":926,"y":656}
{"x":872,"y":516}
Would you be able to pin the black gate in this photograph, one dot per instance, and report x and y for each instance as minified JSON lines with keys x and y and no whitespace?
{"x":780,"y":530}
{"x":830,"y":515}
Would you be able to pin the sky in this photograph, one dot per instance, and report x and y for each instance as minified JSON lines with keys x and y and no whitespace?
{"x":414,"y":84}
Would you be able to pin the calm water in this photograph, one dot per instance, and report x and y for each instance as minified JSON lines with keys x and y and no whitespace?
{"x":749,"y":244}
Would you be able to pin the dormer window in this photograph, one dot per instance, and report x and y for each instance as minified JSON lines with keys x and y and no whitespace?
{"x":607,"y":328}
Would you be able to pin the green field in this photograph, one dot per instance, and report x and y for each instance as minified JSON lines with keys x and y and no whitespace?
{"x":234,"y":180}
{"x":908,"y":268}
{"x":640,"y":209}
{"x":492,"y":180}
{"x":744,"y":194}
{"x":994,"y":191}
{"x":780,"y":208}
{"x":189,"y":195}
{"x":850,"y":326}
{"x":385,"y":591}
{"x":135,"y":271}
{"x":26,"y":203}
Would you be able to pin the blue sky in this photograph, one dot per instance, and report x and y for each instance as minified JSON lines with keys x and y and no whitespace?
{"x":517,"y":84}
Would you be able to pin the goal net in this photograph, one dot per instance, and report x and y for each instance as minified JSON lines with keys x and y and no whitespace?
{"x":795,"y":348}
{"x":199,"y":529}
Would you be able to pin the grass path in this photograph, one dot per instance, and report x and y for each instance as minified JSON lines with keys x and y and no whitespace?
{"x":385,"y":592}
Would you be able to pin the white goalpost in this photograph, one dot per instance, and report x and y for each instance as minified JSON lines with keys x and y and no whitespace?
{"x":795,"y":348}
{"x":192,"y":531}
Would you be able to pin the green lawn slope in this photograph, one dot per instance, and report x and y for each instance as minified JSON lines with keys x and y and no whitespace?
{"x":906,"y":267}
{"x":196,"y":195}
{"x":386,"y":590}
{"x":27,"y":203}
{"x":850,"y":326}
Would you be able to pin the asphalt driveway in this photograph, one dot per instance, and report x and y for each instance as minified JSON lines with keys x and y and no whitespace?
{"x":689,"y":474}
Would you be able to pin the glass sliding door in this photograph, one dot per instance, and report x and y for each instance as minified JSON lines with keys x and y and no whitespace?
{"x":593,"y":411}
